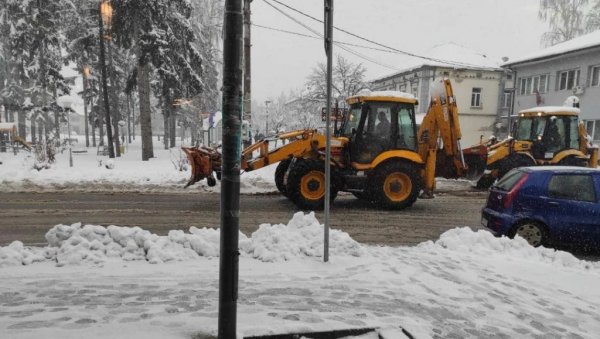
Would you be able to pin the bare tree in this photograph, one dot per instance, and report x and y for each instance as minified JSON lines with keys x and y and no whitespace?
{"x":593,"y":18}
{"x":568,"y":19}
{"x":348,"y":79}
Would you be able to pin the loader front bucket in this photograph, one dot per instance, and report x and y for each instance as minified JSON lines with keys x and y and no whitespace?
{"x":204,"y":162}
{"x":476,"y":160}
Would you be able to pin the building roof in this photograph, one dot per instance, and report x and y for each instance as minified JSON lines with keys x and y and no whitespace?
{"x":580,"y":43}
{"x":449,"y":55}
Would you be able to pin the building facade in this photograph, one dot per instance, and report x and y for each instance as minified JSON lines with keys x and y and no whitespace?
{"x":478,"y":92}
{"x":548,"y":77}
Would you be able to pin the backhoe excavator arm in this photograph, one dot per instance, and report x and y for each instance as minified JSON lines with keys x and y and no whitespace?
{"x":440,"y":133}
{"x":206,"y":161}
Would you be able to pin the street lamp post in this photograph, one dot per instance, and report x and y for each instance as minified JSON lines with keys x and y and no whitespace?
{"x":267,"y":119}
{"x":65,"y":102}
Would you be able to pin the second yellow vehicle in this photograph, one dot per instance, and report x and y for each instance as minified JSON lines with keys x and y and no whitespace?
{"x":550,"y":135}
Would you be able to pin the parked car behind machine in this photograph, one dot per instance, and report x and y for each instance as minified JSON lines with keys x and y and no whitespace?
{"x":546,"y":206}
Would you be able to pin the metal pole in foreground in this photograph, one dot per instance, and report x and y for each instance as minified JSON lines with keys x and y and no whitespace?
{"x":230,"y":181}
{"x":329,"y":52}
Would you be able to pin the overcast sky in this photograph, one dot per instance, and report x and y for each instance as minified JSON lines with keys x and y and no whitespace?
{"x":281,"y":62}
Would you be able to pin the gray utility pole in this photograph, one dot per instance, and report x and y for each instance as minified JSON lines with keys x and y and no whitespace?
{"x":247,"y":64}
{"x":329,"y":52}
{"x":230,"y":180}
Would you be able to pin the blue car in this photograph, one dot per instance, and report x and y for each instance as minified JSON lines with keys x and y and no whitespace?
{"x":549,"y":206}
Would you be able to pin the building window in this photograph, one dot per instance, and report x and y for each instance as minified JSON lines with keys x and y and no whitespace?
{"x":593,"y":129}
{"x":568,"y":79}
{"x":595,"y":76}
{"x":476,"y":97}
{"x":533,"y":84}
{"x":507,"y":99}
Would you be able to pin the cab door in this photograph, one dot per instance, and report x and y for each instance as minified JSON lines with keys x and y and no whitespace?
{"x":372,"y":137}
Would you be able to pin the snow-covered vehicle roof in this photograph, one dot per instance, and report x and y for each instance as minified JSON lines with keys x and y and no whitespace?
{"x":394,"y":96}
{"x":563,"y":110}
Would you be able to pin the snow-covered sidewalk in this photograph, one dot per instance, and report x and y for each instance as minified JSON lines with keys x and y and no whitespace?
{"x":94,"y":283}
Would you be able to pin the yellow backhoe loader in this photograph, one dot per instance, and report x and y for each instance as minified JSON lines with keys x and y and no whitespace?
{"x":549,"y":135}
{"x":377,"y":154}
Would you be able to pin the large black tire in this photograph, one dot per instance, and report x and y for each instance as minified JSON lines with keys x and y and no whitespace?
{"x":514,"y":161}
{"x":573,"y":161}
{"x":485,"y":182}
{"x":534,"y":232}
{"x":306,"y":184}
{"x":282,"y":167}
{"x":395,"y":185}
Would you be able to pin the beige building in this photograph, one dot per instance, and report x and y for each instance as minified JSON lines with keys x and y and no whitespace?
{"x":477,"y":80}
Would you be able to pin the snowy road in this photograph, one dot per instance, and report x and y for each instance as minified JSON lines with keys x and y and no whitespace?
{"x":27,"y":216}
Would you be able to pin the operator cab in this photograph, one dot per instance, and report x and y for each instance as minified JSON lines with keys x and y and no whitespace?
{"x":379,"y":122}
{"x":550,"y":129}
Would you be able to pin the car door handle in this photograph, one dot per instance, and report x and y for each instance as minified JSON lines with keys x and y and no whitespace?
{"x":553,"y":204}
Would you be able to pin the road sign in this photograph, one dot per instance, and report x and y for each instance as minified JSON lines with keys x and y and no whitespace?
{"x":336,"y":114}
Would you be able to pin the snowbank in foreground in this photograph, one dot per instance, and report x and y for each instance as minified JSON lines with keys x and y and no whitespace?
{"x":301,"y":237}
{"x":76,"y":243}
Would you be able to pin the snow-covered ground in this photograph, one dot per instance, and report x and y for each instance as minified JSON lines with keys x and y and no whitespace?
{"x":96,"y":282}
{"x":129,"y":173}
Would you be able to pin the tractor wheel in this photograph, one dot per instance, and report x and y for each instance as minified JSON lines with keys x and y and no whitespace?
{"x":396,"y":185}
{"x":306,"y":184}
{"x":573,"y":161}
{"x":485,"y":182}
{"x":514,"y":161}
{"x":282,"y":167}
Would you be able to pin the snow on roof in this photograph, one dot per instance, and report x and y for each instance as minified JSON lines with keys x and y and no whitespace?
{"x":579,"y":43}
{"x":457,"y":56}
{"x":551,"y":109}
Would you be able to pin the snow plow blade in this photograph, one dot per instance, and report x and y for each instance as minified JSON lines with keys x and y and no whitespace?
{"x":205,"y":162}
{"x":476,"y":160}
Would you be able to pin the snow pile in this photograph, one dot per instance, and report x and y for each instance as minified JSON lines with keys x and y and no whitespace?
{"x":77,"y":243}
{"x":302,"y":236}
{"x":483,"y":243}
{"x":17,"y":254}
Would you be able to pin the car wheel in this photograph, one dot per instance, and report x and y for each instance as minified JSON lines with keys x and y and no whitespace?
{"x":533,"y":232}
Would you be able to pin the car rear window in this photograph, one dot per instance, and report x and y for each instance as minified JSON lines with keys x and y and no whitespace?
{"x":508,"y":181}
{"x":572,"y":187}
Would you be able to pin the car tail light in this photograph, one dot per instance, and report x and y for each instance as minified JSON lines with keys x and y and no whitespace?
{"x":510,"y":196}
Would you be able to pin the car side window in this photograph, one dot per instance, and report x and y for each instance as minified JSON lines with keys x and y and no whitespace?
{"x":572,"y":187}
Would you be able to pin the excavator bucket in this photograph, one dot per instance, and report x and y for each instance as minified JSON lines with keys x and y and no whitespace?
{"x":204,"y":161}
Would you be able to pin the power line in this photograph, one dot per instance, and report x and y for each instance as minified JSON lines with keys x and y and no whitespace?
{"x":337,"y":44}
{"x":456,"y":63}
{"x":315,"y":37}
